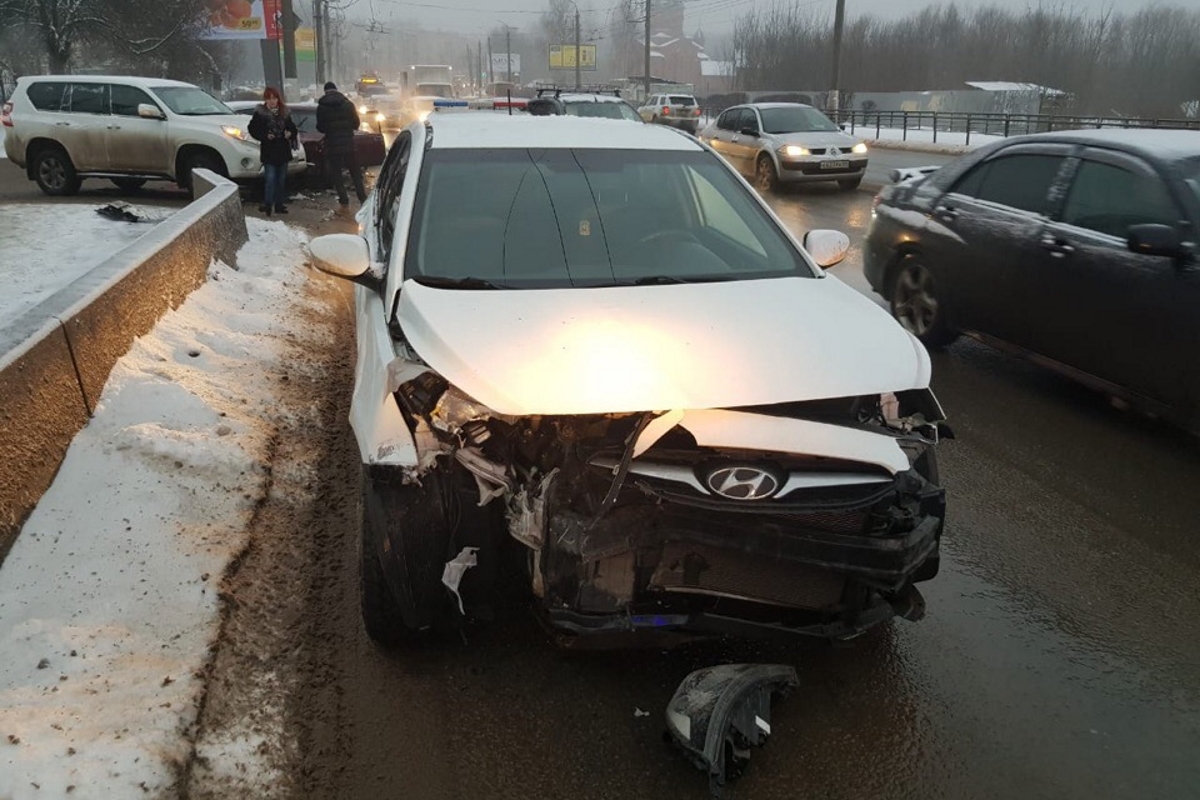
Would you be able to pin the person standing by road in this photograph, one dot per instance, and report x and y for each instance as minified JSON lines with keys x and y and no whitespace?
{"x":272,"y":125}
{"x":337,"y":118}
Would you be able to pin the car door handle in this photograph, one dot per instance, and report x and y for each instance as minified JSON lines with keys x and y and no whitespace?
{"x":63,"y":124}
{"x":946,"y":213}
{"x":1057,"y":247}
{"x":114,"y":127}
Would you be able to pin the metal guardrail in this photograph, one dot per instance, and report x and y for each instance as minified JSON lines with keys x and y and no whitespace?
{"x":861,"y":122}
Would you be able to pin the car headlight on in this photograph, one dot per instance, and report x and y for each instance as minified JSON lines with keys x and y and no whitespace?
{"x":235,"y":133}
{"x":859,"y":148}
{"x":363,"y":109}
{"x":380,"y":117}
{"x":424,"y":115}
{"x":795,"y":150}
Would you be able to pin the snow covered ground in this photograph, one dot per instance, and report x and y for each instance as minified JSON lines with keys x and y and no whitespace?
{"x":109,"y":600}
{"x":45,"y":246}
{"x":922,"y":136}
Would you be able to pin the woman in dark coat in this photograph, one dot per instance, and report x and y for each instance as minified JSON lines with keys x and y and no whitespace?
{"x":272,"y":126}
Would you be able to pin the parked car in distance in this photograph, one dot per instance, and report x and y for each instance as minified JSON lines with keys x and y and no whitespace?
{"x":584,"y":104}
{"x":65,"y":128}
{"x":677,"y":110}
{"x":1078,"y":249}
{"x":369,"y":148}
{"x":565,"y":370}
{"x":785,"y":143}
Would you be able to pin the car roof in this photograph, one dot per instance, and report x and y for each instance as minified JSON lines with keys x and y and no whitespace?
{"x":1153,"y":144}
{"x":473,"y":130}
{"x":763,"y":106}
{"x":130,"y":79}
{"x":584,"y":97}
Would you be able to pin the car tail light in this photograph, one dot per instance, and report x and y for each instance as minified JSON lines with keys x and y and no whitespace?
{"x":696,"y":112}
{"x":666,"y":111}
{"x":5,"y":119}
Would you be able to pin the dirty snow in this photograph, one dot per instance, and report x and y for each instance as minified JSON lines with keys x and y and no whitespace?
{"x":109,"y":600}
{"x":45,"y":246}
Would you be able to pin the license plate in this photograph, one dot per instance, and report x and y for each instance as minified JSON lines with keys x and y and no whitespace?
{"x":835,"y":165}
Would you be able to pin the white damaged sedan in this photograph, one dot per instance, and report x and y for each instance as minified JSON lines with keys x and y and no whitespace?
{"x":590,"y":345}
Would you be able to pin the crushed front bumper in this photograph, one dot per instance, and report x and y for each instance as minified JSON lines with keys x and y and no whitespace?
{"x":686,"y":566}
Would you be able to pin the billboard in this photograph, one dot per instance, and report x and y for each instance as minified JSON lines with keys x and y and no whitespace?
{"x":500,"y":64}
{"x":306,"y":44}
{"x":562,"y":56}
{"x":244,"y":19}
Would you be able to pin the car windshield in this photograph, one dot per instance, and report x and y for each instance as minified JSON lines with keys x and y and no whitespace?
{"x":564,"y":218}
{"x":305,"y":120}
{"x":682,"y":100}
{"x":795,"y":120}
{"x":188,"y":101}
{"x":602,"y":110}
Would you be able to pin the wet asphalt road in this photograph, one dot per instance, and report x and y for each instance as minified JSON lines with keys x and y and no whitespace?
{"x":1060,"y":657}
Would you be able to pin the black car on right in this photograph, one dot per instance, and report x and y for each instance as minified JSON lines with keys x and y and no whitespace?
{"x":1078,"y":249}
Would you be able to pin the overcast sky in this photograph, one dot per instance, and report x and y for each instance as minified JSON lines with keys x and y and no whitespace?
{"x":477,"y":16}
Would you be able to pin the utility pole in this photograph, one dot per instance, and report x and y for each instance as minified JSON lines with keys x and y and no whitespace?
{"x":646,"y":82}
{"x":289,"y":39}
{"x":578,"y":51}
{"x":508,"y":50}
{"x":319,"y":30}
{"x":491,"y":72}
{"x":330,"y":63}
{"x":839,"y":22}
{"x":479,"y":66}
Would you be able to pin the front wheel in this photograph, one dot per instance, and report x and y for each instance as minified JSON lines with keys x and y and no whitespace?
{"x":915,"y":303}
{"x":766,"y":179}
{"x":402,"y":551}
{"x":208,"y":161}
{"x":54,"y":172}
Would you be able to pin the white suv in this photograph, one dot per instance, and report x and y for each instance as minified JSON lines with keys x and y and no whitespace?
{"x":64,"y":128}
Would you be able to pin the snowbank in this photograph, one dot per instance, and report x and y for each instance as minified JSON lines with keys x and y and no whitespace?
{"x":921,"y":141}
{"x":109,"y":599}
{"x":45,"y":246}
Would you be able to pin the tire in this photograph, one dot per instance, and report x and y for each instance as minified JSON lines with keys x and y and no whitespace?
{"x":54,"y":172}
{"x":209,"y":161}
{"x":915,"y":304}
{"x":766,"y":179}
{"x":851,"y":184}
{"x":927,"y":466}
{"x":409,"y":517}
{"x":129,"y":184}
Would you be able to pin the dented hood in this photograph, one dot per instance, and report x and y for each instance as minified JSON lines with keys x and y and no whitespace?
{"x":649,"y":348}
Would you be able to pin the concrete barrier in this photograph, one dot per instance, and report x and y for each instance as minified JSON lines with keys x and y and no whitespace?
{"x":56,"y":357}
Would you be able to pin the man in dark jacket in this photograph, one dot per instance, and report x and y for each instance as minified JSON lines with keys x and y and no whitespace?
{"x":337,"y":118}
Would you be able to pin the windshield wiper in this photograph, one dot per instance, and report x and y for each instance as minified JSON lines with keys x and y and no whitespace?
{"x":438,"y":282}
{"x":662,"y":280}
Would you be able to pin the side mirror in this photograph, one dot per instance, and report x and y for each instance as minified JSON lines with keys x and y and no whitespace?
{"x":345,"y":255}
{"x":1156,"y":240}
{"x":748,"y":132}
{"x":150,"y":111}
{"x":826,"y":247}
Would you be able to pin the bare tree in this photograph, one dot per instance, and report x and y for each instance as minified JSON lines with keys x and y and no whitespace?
{"x":1141,"y":64}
